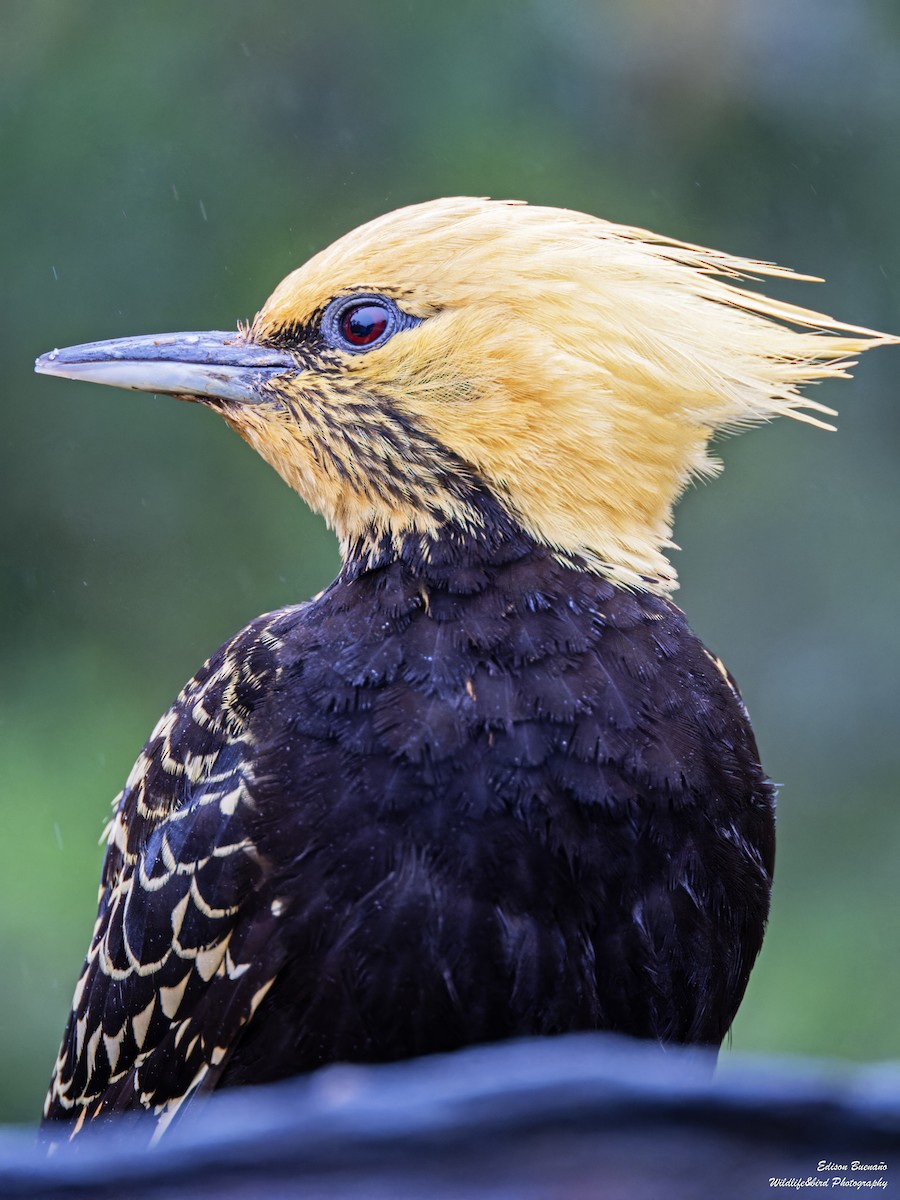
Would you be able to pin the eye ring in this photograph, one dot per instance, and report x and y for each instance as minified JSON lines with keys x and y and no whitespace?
{"x":363,"y":322}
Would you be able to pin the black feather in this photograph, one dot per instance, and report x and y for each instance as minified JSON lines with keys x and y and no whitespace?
{"x":460,"y":797}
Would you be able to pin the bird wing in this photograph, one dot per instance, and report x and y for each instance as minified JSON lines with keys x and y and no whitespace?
{"x":184,"y":947}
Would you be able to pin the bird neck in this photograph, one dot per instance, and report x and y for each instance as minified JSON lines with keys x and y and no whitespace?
{"x":488,"y":537}
{"x":487,"y":541}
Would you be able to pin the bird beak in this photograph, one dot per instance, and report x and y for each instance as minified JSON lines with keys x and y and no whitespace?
{"x":213,"y":365}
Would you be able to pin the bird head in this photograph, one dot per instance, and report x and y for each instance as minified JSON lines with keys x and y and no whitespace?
{"x":462,"y":358}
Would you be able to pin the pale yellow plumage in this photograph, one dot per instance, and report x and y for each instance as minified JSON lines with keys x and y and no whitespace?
{"x":580,"y":367}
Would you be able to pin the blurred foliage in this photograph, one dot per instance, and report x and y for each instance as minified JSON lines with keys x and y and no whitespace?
{"x":164,"y":165}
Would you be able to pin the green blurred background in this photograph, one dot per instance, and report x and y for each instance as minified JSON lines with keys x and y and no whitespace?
{"x":163,"y":165}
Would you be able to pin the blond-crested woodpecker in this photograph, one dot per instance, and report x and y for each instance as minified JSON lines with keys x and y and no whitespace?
{"x":488,"y":784}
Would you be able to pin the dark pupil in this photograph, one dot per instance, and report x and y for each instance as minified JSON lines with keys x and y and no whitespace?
{"x":364,"y":324}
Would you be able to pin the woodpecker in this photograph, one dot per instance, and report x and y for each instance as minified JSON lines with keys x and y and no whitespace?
{"x":488,"y":784}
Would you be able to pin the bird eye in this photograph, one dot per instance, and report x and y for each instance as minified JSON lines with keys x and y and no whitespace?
{"x":364,"y":322}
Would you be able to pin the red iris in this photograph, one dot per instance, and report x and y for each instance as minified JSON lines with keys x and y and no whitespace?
{"x":364,"y":324}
